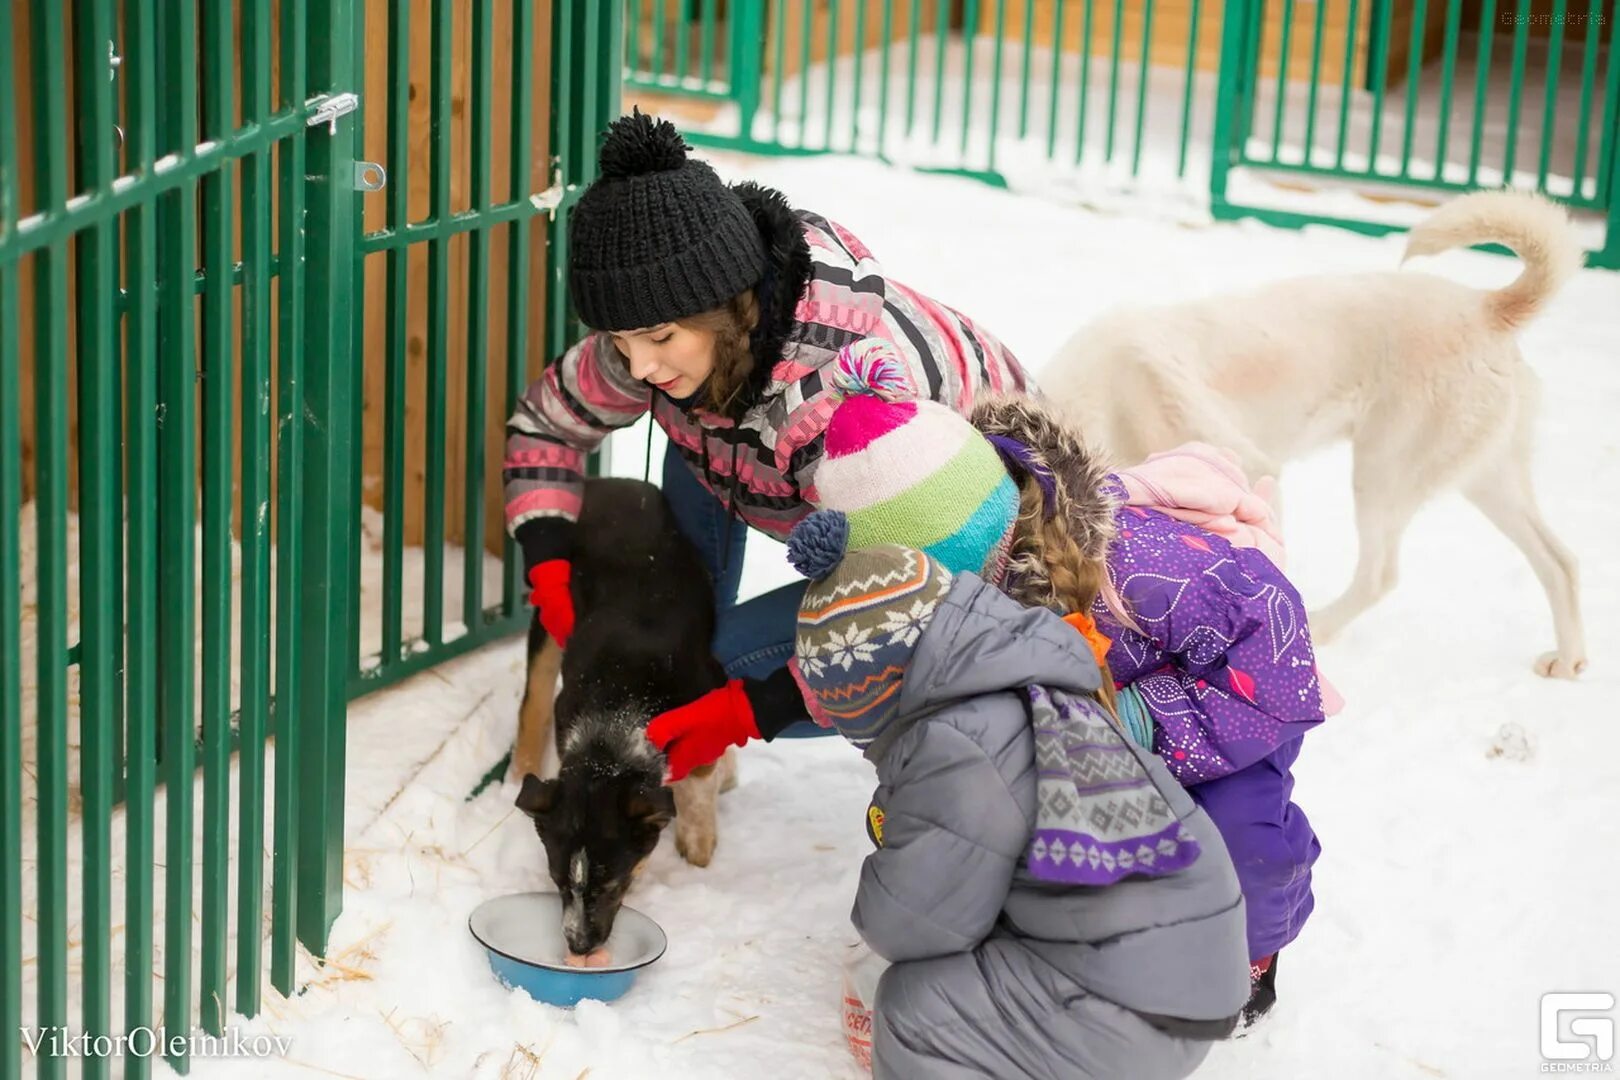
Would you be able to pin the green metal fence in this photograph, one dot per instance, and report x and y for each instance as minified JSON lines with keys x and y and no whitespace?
{"x":187,"y":221}
{"x":1473,"y":106}
{"x":1415,"y":97}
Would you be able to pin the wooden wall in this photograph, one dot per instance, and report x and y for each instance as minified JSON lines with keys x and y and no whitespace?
{"x":372,"y":307}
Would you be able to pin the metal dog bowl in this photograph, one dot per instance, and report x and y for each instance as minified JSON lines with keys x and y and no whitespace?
{"x":523,"y":936}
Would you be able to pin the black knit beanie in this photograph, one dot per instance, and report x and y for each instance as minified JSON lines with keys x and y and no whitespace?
{"x":657,"y":237}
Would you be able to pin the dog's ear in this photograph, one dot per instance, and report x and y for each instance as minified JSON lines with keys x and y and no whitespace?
{"x":652,"y":807}
{"x":538,"y":796}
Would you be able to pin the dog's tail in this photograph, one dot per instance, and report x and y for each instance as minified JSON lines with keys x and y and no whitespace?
{"x":1536,"y":230}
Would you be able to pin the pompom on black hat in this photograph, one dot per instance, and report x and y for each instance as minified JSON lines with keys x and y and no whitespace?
{"x":657,"y":237}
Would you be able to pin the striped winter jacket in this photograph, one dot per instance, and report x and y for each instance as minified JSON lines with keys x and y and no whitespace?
{"x":822,"y":290}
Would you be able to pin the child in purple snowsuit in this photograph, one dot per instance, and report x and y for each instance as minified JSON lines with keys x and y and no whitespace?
{"x":1212,"y":661}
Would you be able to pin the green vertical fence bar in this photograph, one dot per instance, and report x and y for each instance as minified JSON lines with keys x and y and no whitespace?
{"x":1448,"y":72}
{"x":942,"y":33}
{"x":1345,"y":84}
{"x":1414,"y":71}
{"x":779,"y":33}
{"x":1284,"y":48}
{"x":1229,"y":92}
{"x":1144,"y":71}
{"x":438,"y":323}
{"x":396,"y":333}
{"x":1588,"y":73}
{"x":887,"y":31}
{"x":683,"y":39}
{"x":632,"y":43}
{"x":330,"y":446}
{"x":858,"y":58}
{"x":1250,"y":101}
{"x":1113,"y":77}
{"x":1487,"y":18}
{"x":1521,"y":42}
{"x":1187,"y":89}
{"x":1382,"y":16}
{"x":218,"y":362}
{"x":257,"y":200}
{"x":1057,"y":79}
{"x":658,"y":39}
{"x":1316,"y":80}
{"x":141,"y":361}
{"x":710,"y":17}
{"x":483,"y":75}
{"x":831,"y":72}
{"x":357,"y":346}
{"x":806,"y":28}
{"x":913,"y":34}
{"x":290,"y":517}
{"x":1608,"y":185}
{"x":177,"y":501}
{"x":970,"y":27}
{"x":1549,"y":115}
{"x":1086,"y":28}
{"x":50,"y":505}
{"x":995,"y":84}
{"x":565,"y":119}
{"x":100,"y":516}
{"x":517,"y":253}
{"x":1024,"y":79}
{"x":11,"y":845}
{"x":745,"y":62}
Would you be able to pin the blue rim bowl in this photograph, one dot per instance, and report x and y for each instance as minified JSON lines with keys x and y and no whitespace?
{"x":523,"y":935}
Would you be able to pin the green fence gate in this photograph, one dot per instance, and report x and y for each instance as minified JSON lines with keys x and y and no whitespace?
{"x":1416,"y":97}
{"x":194,"y":249}
{"x":1470,"y":104}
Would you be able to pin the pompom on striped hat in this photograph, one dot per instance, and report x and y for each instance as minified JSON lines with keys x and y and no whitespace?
{"x":910,"y":471}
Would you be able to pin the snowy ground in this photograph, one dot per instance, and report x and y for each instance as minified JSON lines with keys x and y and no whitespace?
{"x":1464,"y":873}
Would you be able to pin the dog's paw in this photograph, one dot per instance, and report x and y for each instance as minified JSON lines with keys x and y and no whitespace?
{"x":1554,"y":665}
{"x":696,"y":845}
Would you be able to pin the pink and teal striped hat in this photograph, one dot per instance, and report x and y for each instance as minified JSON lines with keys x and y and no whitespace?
{"x":911,"y":471}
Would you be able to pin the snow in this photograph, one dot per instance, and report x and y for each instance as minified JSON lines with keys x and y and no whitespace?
{"x":1466,"y":807}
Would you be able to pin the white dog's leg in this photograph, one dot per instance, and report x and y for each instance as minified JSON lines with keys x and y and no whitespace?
{"x":1384,"y":507}
{"x":1505,"y":495}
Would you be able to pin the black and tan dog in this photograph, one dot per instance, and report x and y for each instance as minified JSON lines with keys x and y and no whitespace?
{"x":644,"y":620}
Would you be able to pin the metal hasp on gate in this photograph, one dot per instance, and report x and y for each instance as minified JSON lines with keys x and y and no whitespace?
{"x":327,"y":110}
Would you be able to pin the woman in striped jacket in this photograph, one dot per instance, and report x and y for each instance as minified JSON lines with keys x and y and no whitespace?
{"x":721,"y":309}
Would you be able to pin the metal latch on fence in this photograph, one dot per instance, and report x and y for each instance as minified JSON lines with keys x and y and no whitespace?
{"x":329,"y":109}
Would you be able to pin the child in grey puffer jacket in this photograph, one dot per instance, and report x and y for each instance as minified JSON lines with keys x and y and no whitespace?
{"x":1053,"y":903}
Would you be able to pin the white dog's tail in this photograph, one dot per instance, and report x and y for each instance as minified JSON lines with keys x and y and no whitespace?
{"x":1536,"y":230}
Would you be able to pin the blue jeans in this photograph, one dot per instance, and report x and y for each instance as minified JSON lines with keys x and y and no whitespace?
{"x":751,"y":639}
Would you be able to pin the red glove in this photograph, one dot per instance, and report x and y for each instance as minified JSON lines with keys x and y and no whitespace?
{"x":552,"y":598}
{"x":697,"y":733}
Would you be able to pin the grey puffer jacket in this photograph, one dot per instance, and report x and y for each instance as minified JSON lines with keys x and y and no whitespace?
{"x":998,"y":973}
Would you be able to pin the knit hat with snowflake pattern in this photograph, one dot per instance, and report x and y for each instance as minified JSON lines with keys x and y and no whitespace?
{"x":858,"y":629}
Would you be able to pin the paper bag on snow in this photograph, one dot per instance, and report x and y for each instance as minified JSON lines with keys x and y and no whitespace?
{"x":862,"y":971}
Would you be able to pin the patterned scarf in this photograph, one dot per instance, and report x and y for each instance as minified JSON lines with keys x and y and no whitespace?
{"x":1099,"y":815}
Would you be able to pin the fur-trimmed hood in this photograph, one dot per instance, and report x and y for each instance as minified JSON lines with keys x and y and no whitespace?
{"x":788,"y":269}
{"x":1081,"y":493}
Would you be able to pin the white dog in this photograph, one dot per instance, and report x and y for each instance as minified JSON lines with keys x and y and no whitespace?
{"x":1421,"y":374}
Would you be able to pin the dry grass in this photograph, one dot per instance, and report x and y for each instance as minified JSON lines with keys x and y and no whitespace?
{"x":715,"y":1031}
{"x":421,"y":1037}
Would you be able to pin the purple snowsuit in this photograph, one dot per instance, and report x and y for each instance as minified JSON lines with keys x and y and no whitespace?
{"x":1226,"y":670}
